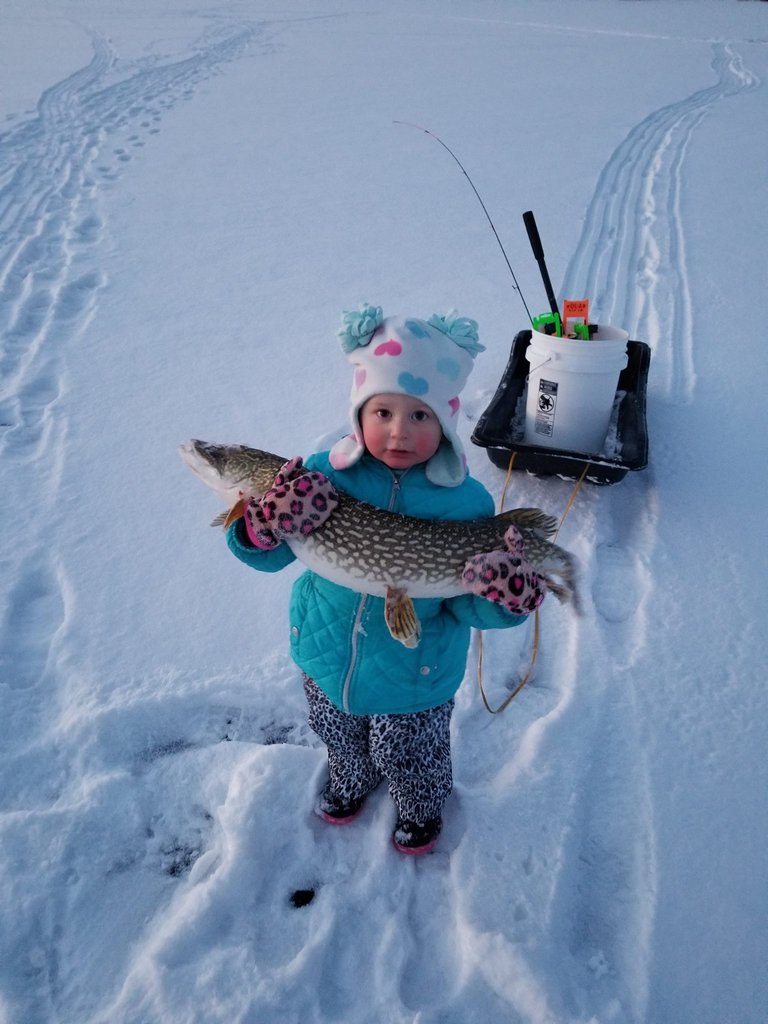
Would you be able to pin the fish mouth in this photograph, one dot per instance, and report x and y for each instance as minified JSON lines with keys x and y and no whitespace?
{"x":208,"y":463}
{"x":189,"y":453}
{"x":211,"y":456}
{"x":197,"y":456}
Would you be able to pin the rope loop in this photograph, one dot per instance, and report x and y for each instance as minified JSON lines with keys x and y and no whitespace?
{"x":536,"y":632}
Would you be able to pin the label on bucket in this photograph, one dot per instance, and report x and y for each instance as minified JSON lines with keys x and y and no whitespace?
{"x":546,"y":406}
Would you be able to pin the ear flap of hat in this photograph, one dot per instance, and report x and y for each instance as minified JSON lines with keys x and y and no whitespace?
{"x":448,"y":466}
{"x":346,"y":452}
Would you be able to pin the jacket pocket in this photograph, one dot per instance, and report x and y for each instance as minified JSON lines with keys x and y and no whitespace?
{"x":301,"y":595}
{"x":443,"y":650}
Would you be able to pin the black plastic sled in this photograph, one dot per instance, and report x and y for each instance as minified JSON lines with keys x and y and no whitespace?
{"x":501,"y":431}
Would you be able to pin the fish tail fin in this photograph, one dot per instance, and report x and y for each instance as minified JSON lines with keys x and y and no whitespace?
{"x":561,"y":579}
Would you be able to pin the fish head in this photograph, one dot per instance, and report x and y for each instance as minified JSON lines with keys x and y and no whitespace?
{"x":231,"y":471}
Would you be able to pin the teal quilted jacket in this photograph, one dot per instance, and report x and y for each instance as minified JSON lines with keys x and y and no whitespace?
{"x":339,"y":637}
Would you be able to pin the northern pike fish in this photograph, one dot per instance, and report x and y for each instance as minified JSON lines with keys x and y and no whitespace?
{"x":389,"y":555}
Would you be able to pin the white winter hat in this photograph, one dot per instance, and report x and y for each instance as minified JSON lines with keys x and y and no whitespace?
{"x":426,"y":359}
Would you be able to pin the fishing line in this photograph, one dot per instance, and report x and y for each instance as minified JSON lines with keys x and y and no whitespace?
{"x":448,"y":150}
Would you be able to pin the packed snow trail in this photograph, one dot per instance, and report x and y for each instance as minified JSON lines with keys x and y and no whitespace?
{"x":631,"y":258}
{"x":54,"y":169}
{"x":631,"y":255}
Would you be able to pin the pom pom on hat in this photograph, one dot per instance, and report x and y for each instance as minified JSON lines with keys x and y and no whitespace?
{"x":460,"y":329}
{"x":358,"y":326}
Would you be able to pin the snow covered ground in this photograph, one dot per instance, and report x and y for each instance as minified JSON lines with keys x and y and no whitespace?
{"x":188,"y":199}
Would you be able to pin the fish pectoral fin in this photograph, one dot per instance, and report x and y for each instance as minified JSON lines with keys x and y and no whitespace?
{"x":226,"y":519}
{"x":401,"y":618}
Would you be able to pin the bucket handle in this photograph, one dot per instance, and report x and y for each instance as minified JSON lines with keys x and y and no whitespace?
{"x":533,"y":369}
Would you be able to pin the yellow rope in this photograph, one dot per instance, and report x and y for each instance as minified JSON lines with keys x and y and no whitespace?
{"x":574,"y":492}
{"x":523,"y":681}
{"x":507,"y":478}
{"x":535,"y":645}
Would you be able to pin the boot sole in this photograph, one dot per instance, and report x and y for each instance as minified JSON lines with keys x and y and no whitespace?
{"x":329,"y":818}
{"x":415,"y":851}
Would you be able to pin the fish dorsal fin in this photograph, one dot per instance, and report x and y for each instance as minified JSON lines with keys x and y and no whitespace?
{"x":532,"y":519}
{"x":401,"y":618}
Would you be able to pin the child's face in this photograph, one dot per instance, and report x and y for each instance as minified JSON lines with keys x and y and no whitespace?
{"x":400,"y":430}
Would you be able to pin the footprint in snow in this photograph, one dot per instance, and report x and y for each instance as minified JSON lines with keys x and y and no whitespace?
{"x":77,"y":296}
{"x":34,"y":614}
{"x":88,"y":230}
{"x":616,"y":590}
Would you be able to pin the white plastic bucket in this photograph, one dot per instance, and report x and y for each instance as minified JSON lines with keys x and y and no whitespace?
{"x":571,"y":388}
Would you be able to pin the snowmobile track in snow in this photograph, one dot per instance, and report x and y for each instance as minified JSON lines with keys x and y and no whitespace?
{"x":631,"y":260}
{"x":630,"y":257}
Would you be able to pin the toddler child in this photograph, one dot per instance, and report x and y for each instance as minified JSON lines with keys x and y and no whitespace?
{"x":382,"y":709}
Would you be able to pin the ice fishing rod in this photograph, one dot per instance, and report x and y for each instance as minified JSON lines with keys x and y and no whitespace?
{"x":479,"y":199}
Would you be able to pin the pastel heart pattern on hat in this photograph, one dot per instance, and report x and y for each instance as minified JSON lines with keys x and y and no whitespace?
{"x":415,"y":386}
{"x":449,"y":368}
{"x":416,"y":329}
{"x":388,"y":348}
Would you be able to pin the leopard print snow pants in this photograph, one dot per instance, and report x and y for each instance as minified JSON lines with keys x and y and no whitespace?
{"x":412,"y":752}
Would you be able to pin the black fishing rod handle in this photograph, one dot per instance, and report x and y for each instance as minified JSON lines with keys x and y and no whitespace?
{"x":533,"y":235}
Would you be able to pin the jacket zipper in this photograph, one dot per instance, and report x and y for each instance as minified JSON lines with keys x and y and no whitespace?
{"x":356,"y":627}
